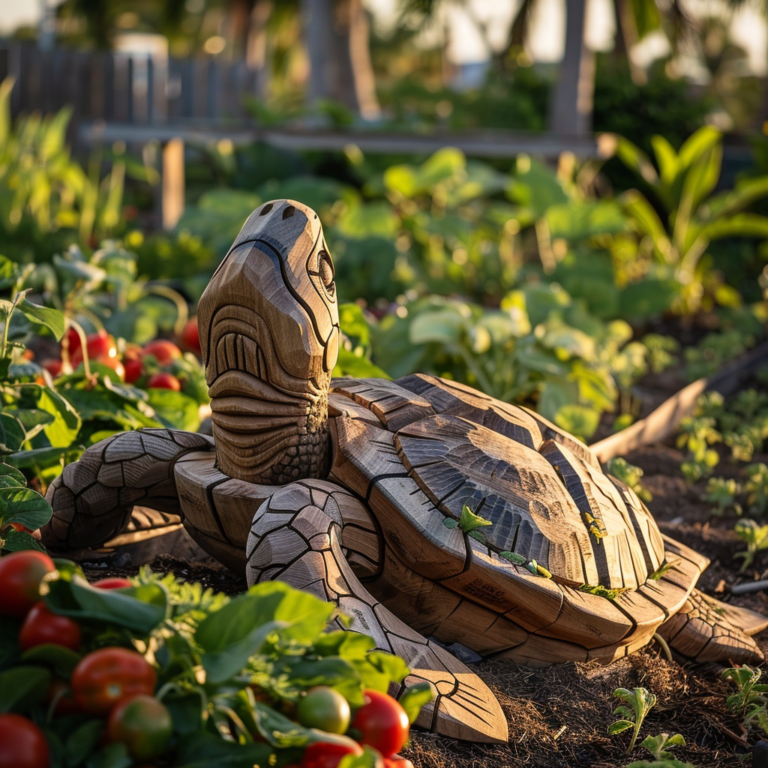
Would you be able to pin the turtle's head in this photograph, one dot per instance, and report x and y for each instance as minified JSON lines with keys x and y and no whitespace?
{"x":269,"y":330}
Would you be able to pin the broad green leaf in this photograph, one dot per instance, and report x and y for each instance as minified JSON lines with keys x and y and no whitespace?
{"x":52,"y":319}
{"x":18,"y":541}
{"x":579,"y":420}
{"x":231,"y":658}
{"x":440,"y":326}
{"x":25,"y":506}
{"x":619,"y":727}
{"x":635,"y":159}
{"x":12,"y":433}
{"x":175,"y":409}
{"x":739,"y":225}
{"x":83,"y":741}
{"x":22,"y":687}
{"x":112,"y":756}
{"x":204,"y":750}
{"x":575,"y":221}
{"x":357,"y":366}
{"x":61,"y":660}
{"x":66,"y":421}
{"x":10,"y":477}
{"x":666,"y":159}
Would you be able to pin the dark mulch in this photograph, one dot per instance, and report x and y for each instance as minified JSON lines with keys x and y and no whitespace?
{"x":558,"y":716}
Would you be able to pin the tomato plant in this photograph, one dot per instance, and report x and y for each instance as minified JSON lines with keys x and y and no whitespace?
{"x":382,"y":722}
{"x":324,"y":754}
{"x":20,"y":577}
{"x":163,"y":351}
{"x":143,"y":724}
{"x":22,"y":743}
{"x":325,"y":709}
{"x":43,"y":626}
{"x":106,"y":676}
{"x":164,"y":381}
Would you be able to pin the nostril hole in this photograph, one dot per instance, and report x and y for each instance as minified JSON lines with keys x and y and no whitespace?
{"x":288,"y":212}
{"x":266,"y":209}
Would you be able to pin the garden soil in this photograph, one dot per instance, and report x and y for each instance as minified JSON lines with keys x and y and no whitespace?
{"x":558,"y":716}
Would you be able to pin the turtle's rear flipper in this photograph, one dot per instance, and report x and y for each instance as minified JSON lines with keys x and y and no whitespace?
{"x":707,"y":630}
{"x":92,"y":499}
{"x":296,"y":540}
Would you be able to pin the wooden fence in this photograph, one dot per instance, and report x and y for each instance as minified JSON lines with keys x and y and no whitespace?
{"x":125,"y":88}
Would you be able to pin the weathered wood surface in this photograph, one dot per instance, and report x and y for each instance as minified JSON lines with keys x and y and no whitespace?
{"x":92,"y":499}
{"x":269,"y":331}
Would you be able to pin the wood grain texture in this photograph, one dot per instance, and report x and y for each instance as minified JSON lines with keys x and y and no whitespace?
{"x":297,"y":541}
{"x":92,"y":499}
{"x":269,"y":332}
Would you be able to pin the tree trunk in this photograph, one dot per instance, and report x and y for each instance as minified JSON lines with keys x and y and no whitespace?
{"x":338,"y":44}
{"x":626,"y":37}
{"x":256,"y":51}
{"x":572,"y":96}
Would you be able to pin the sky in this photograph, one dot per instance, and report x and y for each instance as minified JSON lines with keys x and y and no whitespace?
{"x":748,"y":27}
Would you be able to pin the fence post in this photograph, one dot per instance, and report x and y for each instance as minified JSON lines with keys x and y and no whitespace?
{"x":172,"y":183}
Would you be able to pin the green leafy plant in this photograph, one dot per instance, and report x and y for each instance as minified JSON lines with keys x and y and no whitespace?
{"x":756,"y":487}
{"x":750,"y":700}
{"x":696,"y":434}
{"x":630,"y":475}
{"x":683,"y":184}
{"x":722,"y":493}
{"x":22,"y":510}
{"x":660,"y":745}
{"x":632,"y":711}
{"x":756,"y":538}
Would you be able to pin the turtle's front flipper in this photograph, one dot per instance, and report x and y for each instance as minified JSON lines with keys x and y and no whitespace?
{"x":295,"y":538}
{"x":705,"y":629}
{"x":93,"y":497}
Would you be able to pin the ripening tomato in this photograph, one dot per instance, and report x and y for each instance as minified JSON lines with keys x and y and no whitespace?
{"x":382,"y":722}
{"x":44,"y":626}
{"x":190,"y":336}
{"x":324,"y":708}
{"x":143,"y":724}
{"x":163,"y":351}
{"x":22,"y":743}
{"x":323,"y":754}
{"x":113,"y":363}
{"x":99,"y":345}
{"x":19,"y":528}
{"x":53,"y":367}
{"x":20,"y":577}
{"x":164,"y":381}
{"x":112,"y":583}
{"x":133,"y":370}
{"x":106,"y":676}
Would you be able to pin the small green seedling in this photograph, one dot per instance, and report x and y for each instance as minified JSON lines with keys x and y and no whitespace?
{"x":668,"y":763}
{"x":630,"y":475}
{"x":635,"y":706}
{"x":722,"y":493}
{"x":756,"y":538}
{"x":710,"y":405}
{"x":659,"y":745}
{"x":697,"y":434}
{"x":757,"y":487}
{"x":750,"y":700}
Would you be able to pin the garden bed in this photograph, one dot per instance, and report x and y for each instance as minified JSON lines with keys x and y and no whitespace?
{"x":558,"y":716}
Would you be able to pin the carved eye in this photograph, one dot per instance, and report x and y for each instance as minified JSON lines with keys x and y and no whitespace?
{"x":325,"y":271}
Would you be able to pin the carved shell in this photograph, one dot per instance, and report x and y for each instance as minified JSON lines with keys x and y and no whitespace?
{"x":543,"y":491}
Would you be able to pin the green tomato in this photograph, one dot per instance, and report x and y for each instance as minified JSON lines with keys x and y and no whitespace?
{"x":143,"y":724}
{"x":325,"y":709}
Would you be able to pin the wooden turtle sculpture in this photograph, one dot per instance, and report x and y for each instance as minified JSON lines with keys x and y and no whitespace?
{"x":354,"y":490}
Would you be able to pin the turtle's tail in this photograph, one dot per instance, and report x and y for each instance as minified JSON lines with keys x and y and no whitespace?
{"x":92,"y":499}
{"x":705,"y":629}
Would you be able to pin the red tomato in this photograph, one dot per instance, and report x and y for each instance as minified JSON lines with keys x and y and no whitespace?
{"x":164,"y":381}
{"x":100,"y":346}
{"x":112,"y":583}
{"x":113,"y":363}
{"x":164,"y":351}
{"x":20,"y":577}
{"x":323,"y":708}
{"x":143,"y":724}
{"x":133,"y":370}
{"x":22,"y":743}
{"x":53,"y":367}
{"x":108,"y":675}
{"x":323,"y":754}
{"x":382,"y":723}
{"x":60,"y":692}
{"x":190,"y":336}
{"x":397,"y":762}
{"x":44,"y":626}
{"x":18,"y":527}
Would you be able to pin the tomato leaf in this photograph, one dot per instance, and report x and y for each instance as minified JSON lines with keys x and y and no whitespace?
{"x":60,"y":659}
{"x":112,"y":756}
{"x":22,"y":687}
{"x":202,"y":750}
{"x":414,"y":698}
{"x":17,"y":541}
{"x":51,"y":318}
{"x":83,"y":742}
{"x":10,"y":477}
{"x":25,"y":506}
